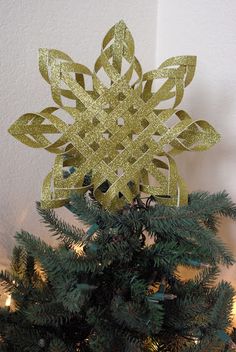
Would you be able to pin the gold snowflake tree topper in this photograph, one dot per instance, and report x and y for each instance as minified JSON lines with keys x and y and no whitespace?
{"x":110,"y":131}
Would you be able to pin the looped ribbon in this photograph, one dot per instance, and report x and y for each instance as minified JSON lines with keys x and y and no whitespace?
{"x":111,"y":125}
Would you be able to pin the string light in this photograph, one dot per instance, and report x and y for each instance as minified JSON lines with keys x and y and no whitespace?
{"x":196,"y":340}
{"x":8,"y":301}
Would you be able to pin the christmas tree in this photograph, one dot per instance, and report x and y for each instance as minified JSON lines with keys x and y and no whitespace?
{"x":117,"y":286}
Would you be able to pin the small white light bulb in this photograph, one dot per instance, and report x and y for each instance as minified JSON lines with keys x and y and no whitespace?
{"x":8,"y":301}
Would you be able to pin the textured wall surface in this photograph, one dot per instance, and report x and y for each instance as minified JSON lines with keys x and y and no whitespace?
{"x":161,"y":29}
{"x":76,"y":27}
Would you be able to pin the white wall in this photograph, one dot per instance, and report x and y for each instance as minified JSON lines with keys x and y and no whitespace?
{"x":161,"y":29}
{"x":76,"y":27}
{"x":206,"y":28}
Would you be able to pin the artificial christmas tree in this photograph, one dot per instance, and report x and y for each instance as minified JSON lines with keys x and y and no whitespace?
{"x":111,"y":290}
{"x":116,"y":287}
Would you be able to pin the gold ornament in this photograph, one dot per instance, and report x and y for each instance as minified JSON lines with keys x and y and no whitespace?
{"x":111,"y":128}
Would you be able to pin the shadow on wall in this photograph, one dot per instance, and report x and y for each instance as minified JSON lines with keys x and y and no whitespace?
{"x":16,"y":220}
{"x":9,"y":225}
{"x":7,"y":231}
{"x":29,"y":220}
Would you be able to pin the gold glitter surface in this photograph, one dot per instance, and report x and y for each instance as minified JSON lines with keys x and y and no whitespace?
{"x":118,"y":134}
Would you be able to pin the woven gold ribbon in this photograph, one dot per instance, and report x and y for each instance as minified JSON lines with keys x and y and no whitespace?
{"x":111,"y":127}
